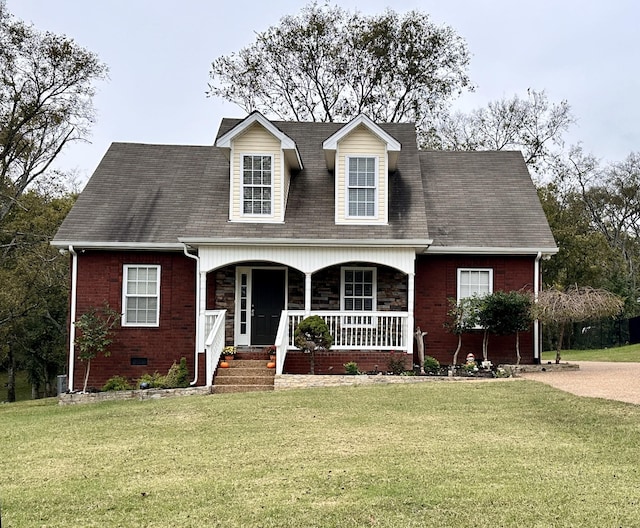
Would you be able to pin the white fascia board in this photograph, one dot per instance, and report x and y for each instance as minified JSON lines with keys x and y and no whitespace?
{"x":286,"y":143}
{"x":484,"y":250}
{"x":416,"y":243}
{"x":138,"y":246}
{"x":392,"y":143}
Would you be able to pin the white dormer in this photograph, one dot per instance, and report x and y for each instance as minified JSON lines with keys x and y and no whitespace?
{"x":362,"y":155}
{"x":261,"y":159}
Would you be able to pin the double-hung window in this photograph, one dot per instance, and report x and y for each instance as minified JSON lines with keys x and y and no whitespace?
{"x":141,"y":295}
{"x":358,"y":294}
{"x":257,"y":184}
{"x":361,"y":186}
{"x":474,"y":282}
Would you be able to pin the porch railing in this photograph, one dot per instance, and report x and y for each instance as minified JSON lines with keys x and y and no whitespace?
{"x":350,"y":331}
{"x":214,"y":329}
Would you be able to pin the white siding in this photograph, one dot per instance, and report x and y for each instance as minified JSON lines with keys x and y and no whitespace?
{"x":361,"y":142}
{"x":256,"y":141}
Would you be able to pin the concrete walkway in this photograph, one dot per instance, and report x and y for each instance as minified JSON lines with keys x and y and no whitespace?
{"x":613,"y":381}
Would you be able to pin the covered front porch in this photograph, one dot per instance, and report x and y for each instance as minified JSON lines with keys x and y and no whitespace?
{"x":254,"y":298}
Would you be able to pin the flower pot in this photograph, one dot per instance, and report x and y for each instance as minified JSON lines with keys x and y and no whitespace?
{"x":228,"y":358}
{"x":272,"y":357}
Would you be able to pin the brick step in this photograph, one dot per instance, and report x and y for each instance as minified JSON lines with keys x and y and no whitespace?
{"x":226,"y":389}
{"x":251,"y":371}
{"x":244,"y":380}
{"x":248,"y":363}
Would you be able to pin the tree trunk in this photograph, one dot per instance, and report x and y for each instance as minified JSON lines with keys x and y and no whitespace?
{"x":11,"y":377}
{"x":86,"y":376}
{"x":517,"y":348}
{"x":455,"y":354}
{"x":559,"y":347}
{"x":485,"y":345}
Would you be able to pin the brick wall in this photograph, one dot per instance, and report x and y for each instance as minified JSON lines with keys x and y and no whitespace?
{"x":100,"y":280}
{"x":332,"y":361}
{"x":436,"y":280}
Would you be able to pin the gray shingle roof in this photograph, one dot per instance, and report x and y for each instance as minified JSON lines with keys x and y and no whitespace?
{"x":482,"y":199}
{"x":156,"y":194}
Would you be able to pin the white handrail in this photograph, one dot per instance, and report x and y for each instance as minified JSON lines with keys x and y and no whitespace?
{"x":281,"y":342}
{"x":214,"y":344}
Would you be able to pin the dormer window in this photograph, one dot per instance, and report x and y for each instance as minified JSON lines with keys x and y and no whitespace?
{"x":257,"y":184}
{"x":361,"y":186}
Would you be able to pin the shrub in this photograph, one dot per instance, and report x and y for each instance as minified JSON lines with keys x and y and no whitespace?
{"x":117,"y":383}
{"x":351,"y":368}
{"x":178,"y":375}
{"x":431,"y":364}
{"x":153,"y":381}
{"x":396,"y":364}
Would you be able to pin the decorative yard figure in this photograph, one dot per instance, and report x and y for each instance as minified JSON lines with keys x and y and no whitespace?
{"x":419,"y":335}
{"x":313,"y":334}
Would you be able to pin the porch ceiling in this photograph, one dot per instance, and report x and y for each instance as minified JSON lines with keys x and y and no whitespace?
{"x":306,"y":259}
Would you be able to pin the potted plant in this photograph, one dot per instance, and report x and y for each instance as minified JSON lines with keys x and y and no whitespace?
{"x":229,"y":353}
{"x":271,"y":350}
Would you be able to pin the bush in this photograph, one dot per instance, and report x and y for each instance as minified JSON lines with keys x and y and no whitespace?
{"x":431,"y":364}
{"x":117,"y":383}
{"x":153,"y":381}
{"x":351,"y":368}
{"x":396,"y":365}
{"x":178,"y":375}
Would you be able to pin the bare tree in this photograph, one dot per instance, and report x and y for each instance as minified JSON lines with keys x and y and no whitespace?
{"x":327,"y":64}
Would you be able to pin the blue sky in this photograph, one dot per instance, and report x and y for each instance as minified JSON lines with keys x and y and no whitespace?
{"x":159,"y":53}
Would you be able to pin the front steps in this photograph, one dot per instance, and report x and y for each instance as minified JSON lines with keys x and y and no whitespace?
{"x":244,"y":375}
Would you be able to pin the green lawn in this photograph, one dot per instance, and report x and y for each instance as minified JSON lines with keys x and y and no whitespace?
{"x":463,"y":454}
{"x":629,"y":353}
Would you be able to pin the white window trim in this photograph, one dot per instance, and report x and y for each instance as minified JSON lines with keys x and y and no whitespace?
{"x":125,"y":274}
{"x":360,"y":319}
{"x":241,"y":182}
{"x":376,"y":189}
{"x":462,"y":270}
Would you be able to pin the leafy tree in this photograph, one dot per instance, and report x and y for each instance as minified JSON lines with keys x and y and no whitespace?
{"x":96,"y":335}
{"x":46,"y":90}
{"x":577,"y":304}
{"x":462,"y":317}
{"x":34,"y":293}
{"x":327,"y":64}
{"x":506,"y":313}
{"x":312,"y":334}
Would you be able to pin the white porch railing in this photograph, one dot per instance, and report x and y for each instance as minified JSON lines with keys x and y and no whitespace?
{"x":214,"y":329}
{"x":350,"y":331}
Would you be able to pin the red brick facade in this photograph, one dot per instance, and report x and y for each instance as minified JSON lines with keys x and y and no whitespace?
{"x":436,"y":281}
{"x":100,"y":280}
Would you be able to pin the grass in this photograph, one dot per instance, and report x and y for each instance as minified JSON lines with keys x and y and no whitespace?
{"x":513,"y":453}
{"x":629,"y":353}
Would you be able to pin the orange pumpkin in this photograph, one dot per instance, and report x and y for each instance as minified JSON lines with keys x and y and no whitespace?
{"x":224,"y":364}
{"x":271,"y":364}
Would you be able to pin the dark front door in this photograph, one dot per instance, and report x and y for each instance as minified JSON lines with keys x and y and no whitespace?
{"x":267,"y":302}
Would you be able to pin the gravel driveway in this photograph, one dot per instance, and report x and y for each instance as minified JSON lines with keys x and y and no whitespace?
{"x":613,"y":381}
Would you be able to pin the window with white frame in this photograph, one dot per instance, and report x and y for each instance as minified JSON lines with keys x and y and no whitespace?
{"x":257,"y":184}
{"x":474,"y":282}
{"x":141,"y":295}
{"x":361,"y":186}
{"x":358,"y":294}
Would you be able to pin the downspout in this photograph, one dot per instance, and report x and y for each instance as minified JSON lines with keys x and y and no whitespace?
{"x":197,"y":259}
{"x":72,"y":317}
{"x":536,"y":323}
